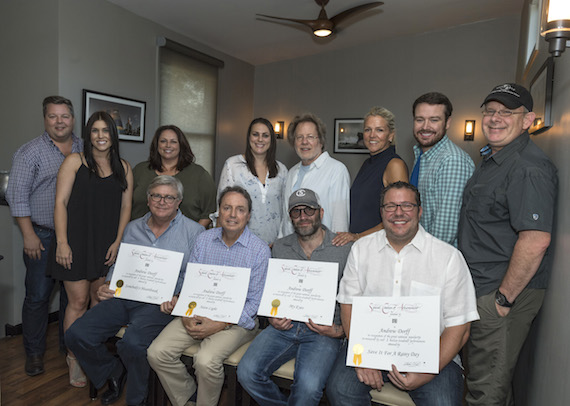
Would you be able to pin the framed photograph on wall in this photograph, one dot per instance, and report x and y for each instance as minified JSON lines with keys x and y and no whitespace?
{"x":348,"y":136}
{"x":541,"y":91}
{"x":129,"y":114}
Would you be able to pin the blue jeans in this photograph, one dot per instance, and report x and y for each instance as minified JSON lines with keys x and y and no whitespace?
{"x":344,"y":388}
{"x":87,"y":336}
{"x":314,"y":356}
{"x":39,"y":288}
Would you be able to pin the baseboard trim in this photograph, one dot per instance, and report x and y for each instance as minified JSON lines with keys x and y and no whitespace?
{"x":11,"y":330}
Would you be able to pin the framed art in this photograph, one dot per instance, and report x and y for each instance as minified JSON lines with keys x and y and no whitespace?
{"x":349,"y":136}
{"x":129,"y":114}
{"x":541,"y":91}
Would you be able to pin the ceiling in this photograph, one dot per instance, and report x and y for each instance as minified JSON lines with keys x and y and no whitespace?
{"x":232,"y":27}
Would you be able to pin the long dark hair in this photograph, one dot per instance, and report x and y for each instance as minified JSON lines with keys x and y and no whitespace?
{"x":269,"y":157}
{"x":185,"y":158}
{"x":114,"y":157}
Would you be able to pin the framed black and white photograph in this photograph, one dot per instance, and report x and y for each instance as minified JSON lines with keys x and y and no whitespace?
{"x":349,"y":136}
{"x":129,"y":114}
{"x":541,"y":91}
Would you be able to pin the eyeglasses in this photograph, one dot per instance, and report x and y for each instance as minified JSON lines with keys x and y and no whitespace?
{"x":501,"y":113}
{"x":296,"y":212}
{"x":155,"y":197}
{"x":406,"y":206}
{"x":309,"y":138}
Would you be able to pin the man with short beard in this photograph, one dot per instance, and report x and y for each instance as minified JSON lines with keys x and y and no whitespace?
{"x":441,"y":168}
{"x":313,"y":346}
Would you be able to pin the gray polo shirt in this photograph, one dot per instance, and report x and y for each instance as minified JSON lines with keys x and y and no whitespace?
{"x":289,"y":248}
{"x":512,"y":190}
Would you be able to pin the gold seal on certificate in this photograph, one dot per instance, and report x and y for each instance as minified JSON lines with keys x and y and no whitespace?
{"x":300,"y":290}
{"x":146,"y":274}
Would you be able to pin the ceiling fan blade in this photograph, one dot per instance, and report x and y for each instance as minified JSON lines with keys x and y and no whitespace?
{"x":346,"y":13}
{"x":309,"y":23}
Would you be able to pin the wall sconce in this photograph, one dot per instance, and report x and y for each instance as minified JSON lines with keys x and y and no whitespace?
{"x":555,"y":25}
{"x":279,"y":129}
{"x":469,"y":133}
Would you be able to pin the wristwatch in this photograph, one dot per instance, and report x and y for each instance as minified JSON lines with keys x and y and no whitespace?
{"x":502,"y":299}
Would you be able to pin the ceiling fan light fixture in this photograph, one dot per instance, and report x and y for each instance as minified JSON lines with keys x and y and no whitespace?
{"x":322,"y":32}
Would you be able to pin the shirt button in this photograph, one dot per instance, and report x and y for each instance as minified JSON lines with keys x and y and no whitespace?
{"x":396,"y":282}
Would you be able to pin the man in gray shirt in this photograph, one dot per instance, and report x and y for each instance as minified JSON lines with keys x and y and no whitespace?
{"x":313,"y":346}
{"x":504,"y":233}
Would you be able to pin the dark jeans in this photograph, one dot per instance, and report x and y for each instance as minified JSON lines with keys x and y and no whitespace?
{"x":87,"y":336}
{"x":344,"y":388}
{"x":39,"y":288}
{"x":314,"y":356}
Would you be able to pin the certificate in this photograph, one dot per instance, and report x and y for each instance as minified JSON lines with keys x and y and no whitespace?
{"x":300,"y":290}
{"x":403,"y":331}
{"x":213,"y":291}
{"x":146,"y":274}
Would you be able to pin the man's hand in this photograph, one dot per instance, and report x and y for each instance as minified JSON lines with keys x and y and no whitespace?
{"x":167,"y":307}
{"x":370,"y":377}
{"x":199,"y":327}
{"x":334,"y":331}
{"x":104,"y":293}
{"x":63,"y":255}
{"x":502,"y":310}
{"x":408,"y":381}
{"x":280,"y":323}
{"x":33,"y":246}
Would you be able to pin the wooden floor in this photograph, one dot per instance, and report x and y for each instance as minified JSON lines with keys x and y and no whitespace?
{"x":48,"y":389}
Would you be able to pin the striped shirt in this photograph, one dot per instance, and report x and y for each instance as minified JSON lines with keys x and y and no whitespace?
{"x":31,"y":186}
{"x":248,"y":251}
{"x":444,"y":170}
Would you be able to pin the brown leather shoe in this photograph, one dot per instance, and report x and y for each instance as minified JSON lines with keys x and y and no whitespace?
{"x":34,"y":365}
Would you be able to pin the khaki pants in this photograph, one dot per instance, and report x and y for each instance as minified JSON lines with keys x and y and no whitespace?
{"x":494,"y":346}
{"x":164,"y":357}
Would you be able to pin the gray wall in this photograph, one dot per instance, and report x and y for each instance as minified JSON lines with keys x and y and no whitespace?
{"x":545,"y":363}
{"x":28,"y":73}
{"x":393,"y":73}
{"x":65,"y":46}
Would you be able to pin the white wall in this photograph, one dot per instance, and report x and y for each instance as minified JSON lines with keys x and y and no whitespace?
{"x":464,"y":63}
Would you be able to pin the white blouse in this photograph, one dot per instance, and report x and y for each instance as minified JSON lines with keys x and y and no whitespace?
{"x":267,"y":200}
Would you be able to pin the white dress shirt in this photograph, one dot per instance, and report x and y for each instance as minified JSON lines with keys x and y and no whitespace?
{"x":425,"y":267}
{"x":330,"y":180}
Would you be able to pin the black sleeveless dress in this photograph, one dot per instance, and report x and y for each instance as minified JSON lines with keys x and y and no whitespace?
{"x":93,"y":213}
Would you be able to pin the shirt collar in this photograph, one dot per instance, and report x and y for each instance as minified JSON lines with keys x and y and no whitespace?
{"x":433,"y":150}
{"x":319,"y":161}
{"x":242,"y":240}
{"x":511,"y":149}
{"x":417,"y":242}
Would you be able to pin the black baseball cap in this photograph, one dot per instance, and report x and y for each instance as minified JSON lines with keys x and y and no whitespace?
{"x":511,"y":95}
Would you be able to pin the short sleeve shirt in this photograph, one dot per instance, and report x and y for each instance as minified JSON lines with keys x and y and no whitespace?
{"x":513,"y":190}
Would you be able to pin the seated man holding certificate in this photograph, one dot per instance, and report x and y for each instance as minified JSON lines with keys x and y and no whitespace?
{"x":313,"y":346}
{"x":231,"y":245}
{"x":163,"y":227}
{"x":404,"y":260}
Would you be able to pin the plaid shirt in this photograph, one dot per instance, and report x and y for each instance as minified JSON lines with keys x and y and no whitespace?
{"x":31,"y":186}
{"x":247,"y":252}
{"x":444,"y":170}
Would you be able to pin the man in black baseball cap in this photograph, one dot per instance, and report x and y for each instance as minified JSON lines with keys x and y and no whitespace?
{"x":504,"y":234}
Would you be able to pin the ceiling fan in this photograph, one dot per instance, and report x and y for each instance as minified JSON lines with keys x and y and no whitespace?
{"x":324,"y":26}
